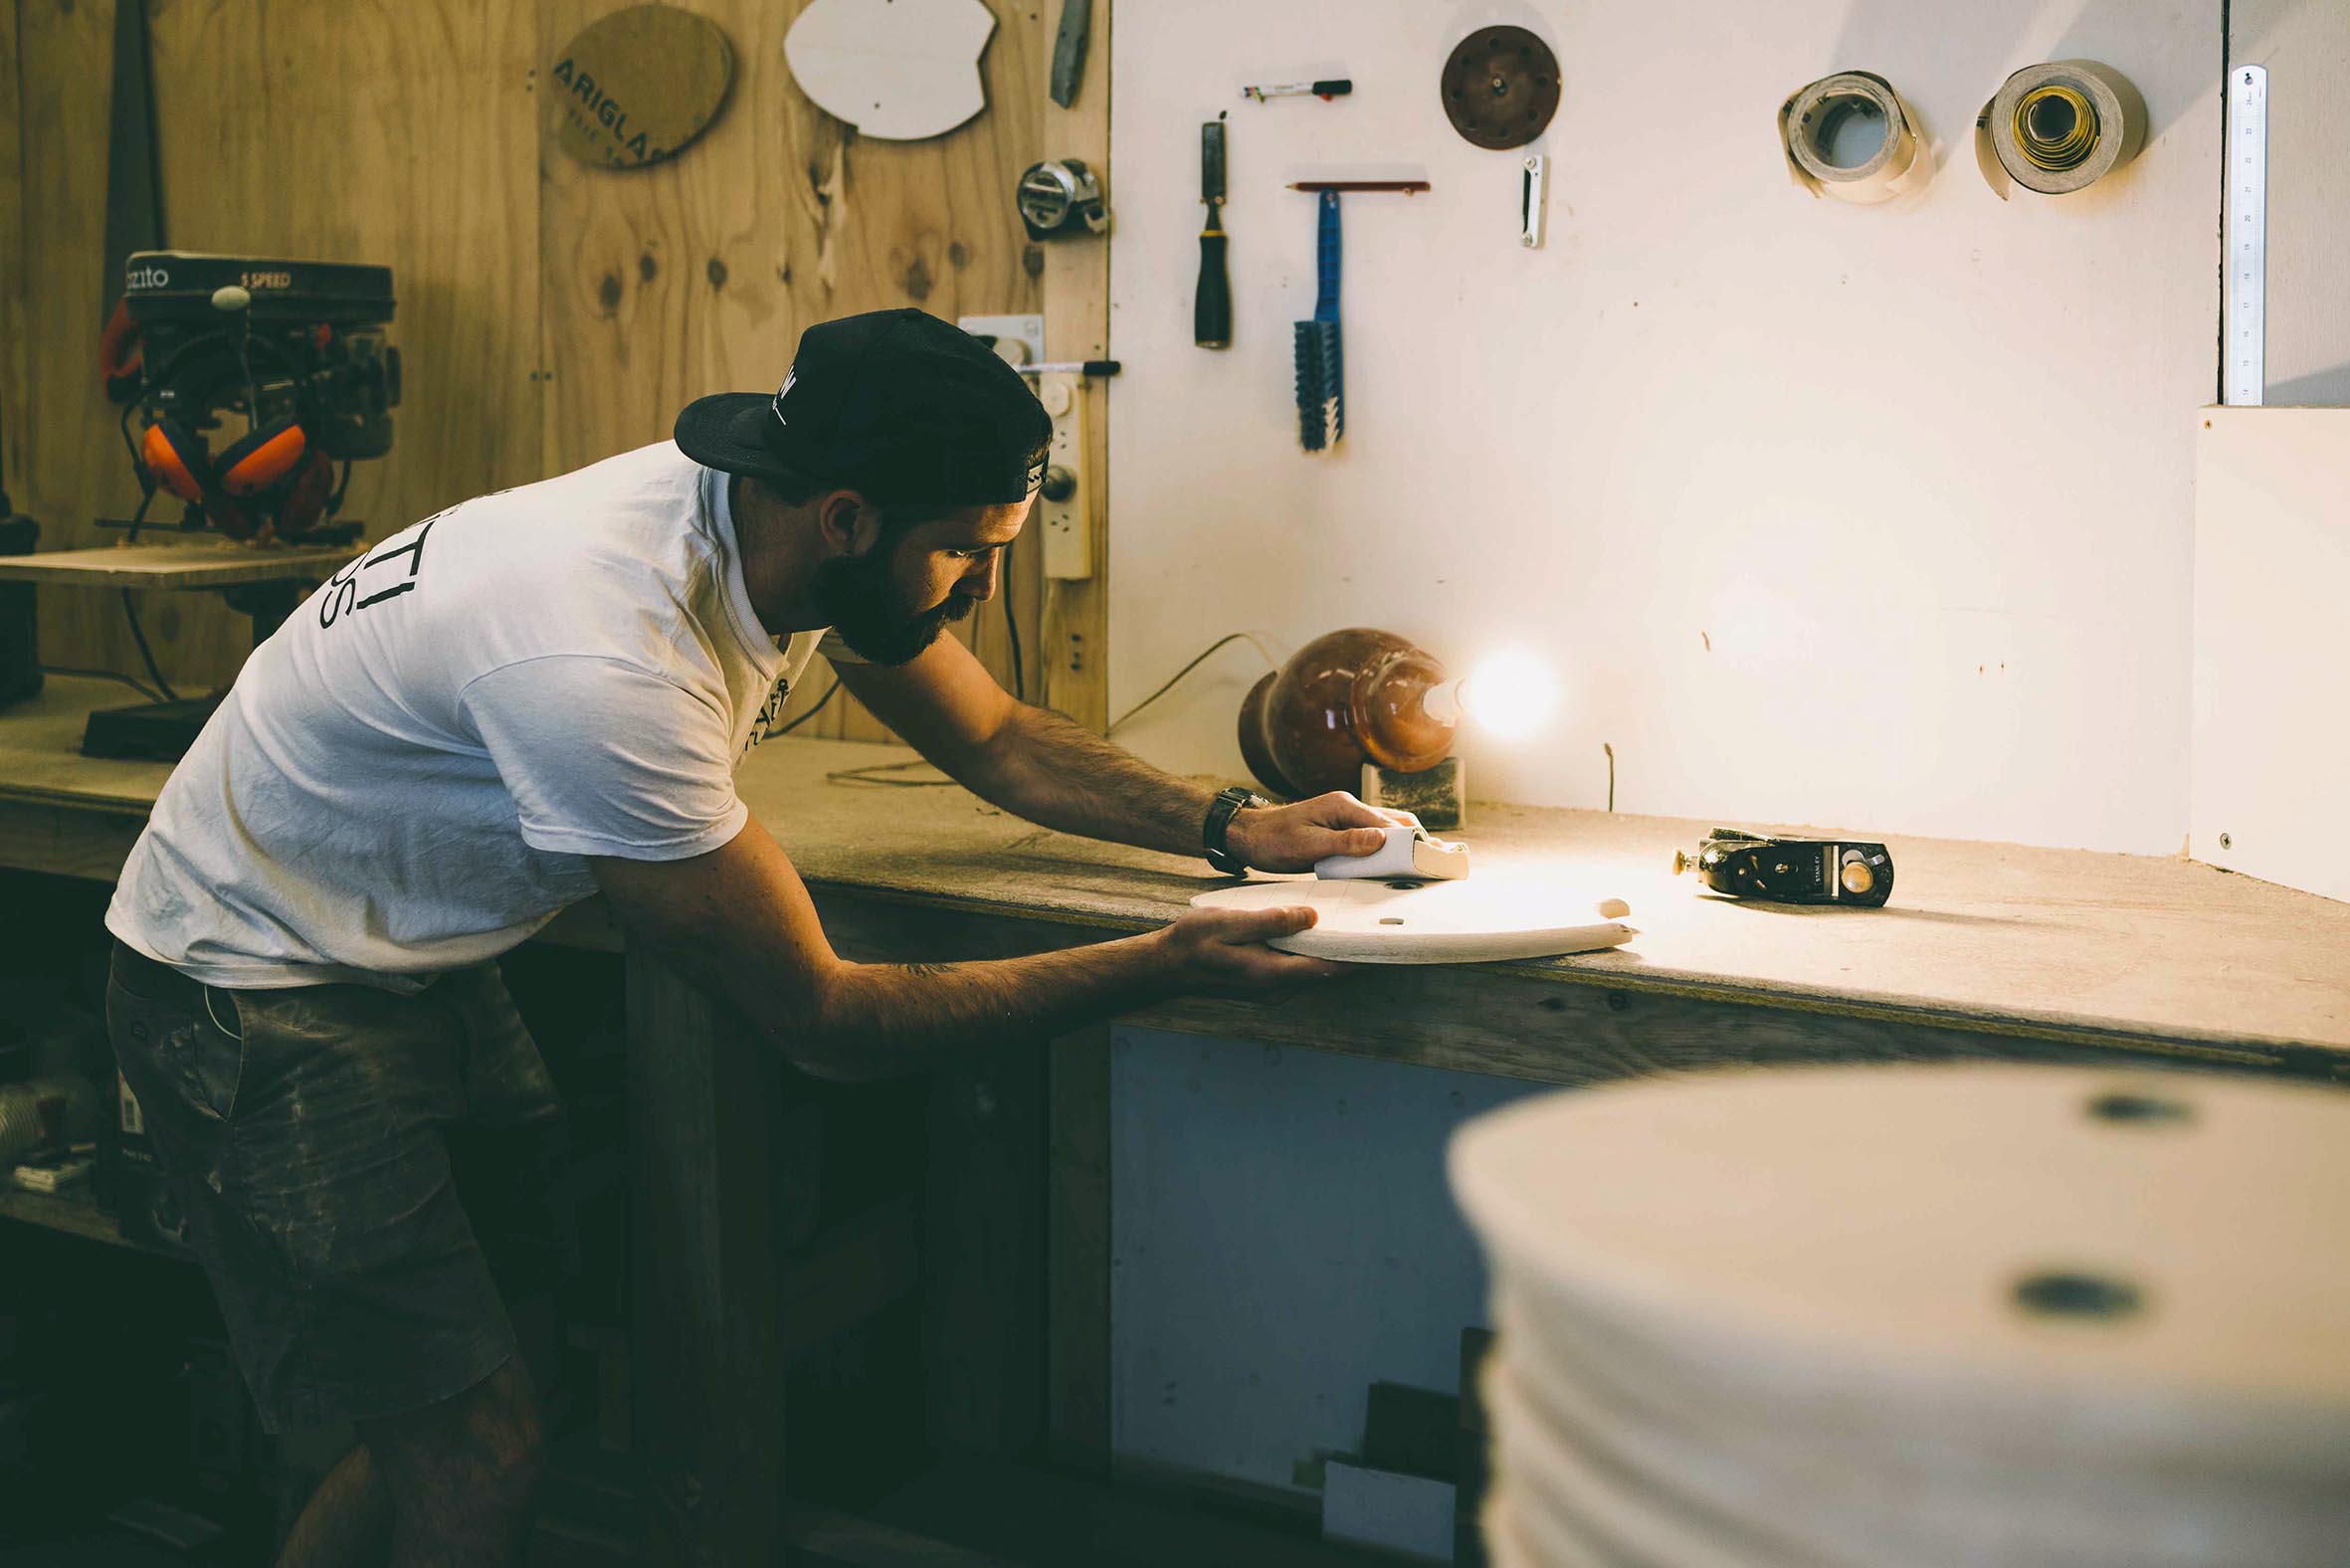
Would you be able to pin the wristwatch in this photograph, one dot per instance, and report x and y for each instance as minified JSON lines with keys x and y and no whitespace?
{"x":1227,"y":805}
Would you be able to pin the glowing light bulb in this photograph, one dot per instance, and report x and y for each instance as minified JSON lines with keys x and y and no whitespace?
{"x":1512,"y":693}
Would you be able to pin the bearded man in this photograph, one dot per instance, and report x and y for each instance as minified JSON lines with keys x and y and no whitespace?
{"x":528,"y":698}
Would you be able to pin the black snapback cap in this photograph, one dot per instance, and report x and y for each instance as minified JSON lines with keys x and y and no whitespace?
{"x":898,"y":405}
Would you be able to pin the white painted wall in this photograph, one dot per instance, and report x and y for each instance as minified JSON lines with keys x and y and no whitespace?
{"x":1875,"y":517}
{"x":1282,"y":1237}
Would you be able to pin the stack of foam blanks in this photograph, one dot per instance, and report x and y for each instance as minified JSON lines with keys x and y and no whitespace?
{"x":1915,"y":1316}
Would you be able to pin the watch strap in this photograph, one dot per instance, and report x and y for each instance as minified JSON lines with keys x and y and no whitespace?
{"x":1228,"y":803}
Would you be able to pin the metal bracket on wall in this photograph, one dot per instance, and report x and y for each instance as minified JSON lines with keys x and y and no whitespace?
{"x":1023,"y":336}
{"x":1060,"y":504}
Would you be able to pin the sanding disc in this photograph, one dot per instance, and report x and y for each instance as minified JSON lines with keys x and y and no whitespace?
{"x":638,"y":86}
{"x":1489,"y":918}
{"x":1500,"y":87}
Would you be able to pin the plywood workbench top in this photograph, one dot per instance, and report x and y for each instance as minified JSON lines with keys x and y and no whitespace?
{"x":1979,"y":936}
{"x":179,"y":564}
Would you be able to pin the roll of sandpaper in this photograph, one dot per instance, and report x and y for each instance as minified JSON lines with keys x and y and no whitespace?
{"x":2059,"y":126}
{"x":1812,"y":118}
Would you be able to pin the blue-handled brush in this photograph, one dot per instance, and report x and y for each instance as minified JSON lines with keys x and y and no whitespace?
{"x":1321,"y":384}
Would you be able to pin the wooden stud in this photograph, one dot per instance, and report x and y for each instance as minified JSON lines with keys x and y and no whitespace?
{"x":708,"y":1352}
{"x":1077,"y":1253}
{"x":1074,"y":655}
{"x":12,"y":252}
{"x":984,"y":1254}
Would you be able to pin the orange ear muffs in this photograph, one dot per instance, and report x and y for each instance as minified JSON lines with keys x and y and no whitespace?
{"x":306,"y":494}
{"x":263,"y":458}
{"x":176,"y":459}
{"x":120,"y":360}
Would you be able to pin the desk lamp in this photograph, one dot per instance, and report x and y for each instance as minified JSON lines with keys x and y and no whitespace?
{"x":1367,"y":710}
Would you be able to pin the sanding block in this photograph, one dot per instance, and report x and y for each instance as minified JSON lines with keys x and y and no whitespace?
{"x":1409,"y":855}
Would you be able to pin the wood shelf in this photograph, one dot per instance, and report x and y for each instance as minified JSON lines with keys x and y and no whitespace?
{"x":177,"y":565}
{"x":74,"y":1211}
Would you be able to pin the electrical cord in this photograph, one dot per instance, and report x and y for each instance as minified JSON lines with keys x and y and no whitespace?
{"x":1011,"y":629}
{"x":1176,"y":678}
{"x":146,"y":499}
{"x":140,"y":686}
{"x":139,"y":635}
{"x":879,"y":774}
{"x":812,"y":712}
{"x":146,"y":485}
{"x":122,"y":425}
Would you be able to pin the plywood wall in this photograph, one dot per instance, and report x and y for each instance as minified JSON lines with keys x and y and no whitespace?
{"x":11,"y":230}
{"x":696,"y":275}
{"x":549,"y":314}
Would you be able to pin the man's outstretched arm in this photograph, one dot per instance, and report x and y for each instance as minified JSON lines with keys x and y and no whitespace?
{"x":1040,"y":766}
{"x":738,"y":921}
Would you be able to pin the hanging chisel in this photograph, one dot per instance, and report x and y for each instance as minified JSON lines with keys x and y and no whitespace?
{"x":1068,"y":50}
{"x":1211,"y":305}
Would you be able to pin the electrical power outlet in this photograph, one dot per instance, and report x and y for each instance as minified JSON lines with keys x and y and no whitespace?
{"x":1018,"y":339}
{"x":1061,"y":506}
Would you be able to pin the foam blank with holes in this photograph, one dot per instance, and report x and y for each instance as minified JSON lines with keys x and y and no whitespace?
{"x":1493,"y":915}
{"x":1920,"y":1314}
{"x":898,"y":69}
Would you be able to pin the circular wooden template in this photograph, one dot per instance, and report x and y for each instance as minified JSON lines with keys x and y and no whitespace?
{"x":639,"y":86}
{"x":1481,"y":918}
{"x":1500,"y":85}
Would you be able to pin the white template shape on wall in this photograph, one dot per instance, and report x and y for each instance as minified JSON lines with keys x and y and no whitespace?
{"x":900,"y":70}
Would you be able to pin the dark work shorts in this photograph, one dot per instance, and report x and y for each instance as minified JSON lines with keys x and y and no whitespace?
{"x":368,"y":1177}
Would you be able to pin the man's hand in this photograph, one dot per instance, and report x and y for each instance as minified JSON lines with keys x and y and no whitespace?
{"x":738,"y":921}
{"x":1292,"y":838}
{"x":1223,"y":951}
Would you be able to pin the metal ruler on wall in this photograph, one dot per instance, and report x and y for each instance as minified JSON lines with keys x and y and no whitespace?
{"x":2244,"y":335}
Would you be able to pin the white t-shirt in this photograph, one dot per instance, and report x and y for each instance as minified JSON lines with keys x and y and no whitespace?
{"x":407,"y":775}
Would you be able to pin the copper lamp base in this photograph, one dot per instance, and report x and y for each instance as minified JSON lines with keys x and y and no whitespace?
{"x":1343,"y":699}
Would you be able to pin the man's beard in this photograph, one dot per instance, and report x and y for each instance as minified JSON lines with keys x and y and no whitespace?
{"x":862,"y":599}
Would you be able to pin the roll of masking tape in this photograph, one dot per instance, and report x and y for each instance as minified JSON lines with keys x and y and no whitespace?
{"x":1822,"y":128}
{"x":2057,"y":126}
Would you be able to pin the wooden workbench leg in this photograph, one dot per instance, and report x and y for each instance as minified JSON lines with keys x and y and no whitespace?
{"x":1076,"y":1309}
{"x":983,"y":1245}
{"x":707,"y":1333}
